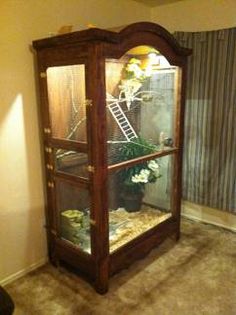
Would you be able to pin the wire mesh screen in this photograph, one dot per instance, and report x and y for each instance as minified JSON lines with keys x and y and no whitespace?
{"x":66,"y":94}
{"x":158,"y":113}
{"x":140,"y":106}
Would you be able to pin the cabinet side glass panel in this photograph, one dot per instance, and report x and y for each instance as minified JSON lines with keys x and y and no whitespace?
{"x":73,"y":208}
{"x":140,"y":198}
{"x":66,"y":97}
{"x":71,"y":162}
{"x":141,"y":104}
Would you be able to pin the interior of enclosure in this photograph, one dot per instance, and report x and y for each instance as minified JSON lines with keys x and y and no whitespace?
{"x":141,"y":97}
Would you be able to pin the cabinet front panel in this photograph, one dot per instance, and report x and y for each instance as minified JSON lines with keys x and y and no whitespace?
{"x":66,"y":97}
{"x":142,"y":91}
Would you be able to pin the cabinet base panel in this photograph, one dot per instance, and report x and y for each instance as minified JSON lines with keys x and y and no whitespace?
{"x":83,"y":265}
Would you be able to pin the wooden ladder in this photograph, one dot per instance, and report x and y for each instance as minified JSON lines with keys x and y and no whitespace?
{"x":122,"y":121}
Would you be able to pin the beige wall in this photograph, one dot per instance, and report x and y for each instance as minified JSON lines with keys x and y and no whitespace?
{"x":22,"y":236}
{"x":196,"y":15}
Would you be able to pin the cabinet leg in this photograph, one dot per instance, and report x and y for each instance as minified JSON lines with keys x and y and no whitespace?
{"x":177,"y":235}
{"x":57,"y":263}
{"x":102,"y":278}
{"x":101,"y":288}
{"x":101,"y":283}
{"x":54,"y":260}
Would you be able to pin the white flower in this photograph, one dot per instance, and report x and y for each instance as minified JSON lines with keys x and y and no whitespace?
{"x":135,"y":69}
{"x":142,"y":177}
{"x":135,"y":178}
{"x":145,"y":172}
{"x":130,"y":87}
{"x":153,"y":165}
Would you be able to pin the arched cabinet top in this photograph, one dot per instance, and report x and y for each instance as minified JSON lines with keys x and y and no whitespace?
{"x":147,"y":32}
{"x":155,"y":30}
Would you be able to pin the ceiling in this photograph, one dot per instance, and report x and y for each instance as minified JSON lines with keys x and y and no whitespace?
{"x":154,"y":3}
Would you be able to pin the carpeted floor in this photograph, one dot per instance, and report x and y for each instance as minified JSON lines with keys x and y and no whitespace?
{"x":197,"y":275}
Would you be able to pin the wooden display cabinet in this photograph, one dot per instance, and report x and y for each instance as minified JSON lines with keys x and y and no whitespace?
{"x":112,"y":109}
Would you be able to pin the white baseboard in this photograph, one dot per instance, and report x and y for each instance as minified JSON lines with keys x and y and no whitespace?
{"x":208,"y":215}
{"x":23,"y":272}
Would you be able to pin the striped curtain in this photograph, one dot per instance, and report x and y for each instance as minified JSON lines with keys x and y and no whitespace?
{"x":209,"y":176}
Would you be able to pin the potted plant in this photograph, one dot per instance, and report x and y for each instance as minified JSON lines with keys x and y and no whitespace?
{"x":133,"y":179}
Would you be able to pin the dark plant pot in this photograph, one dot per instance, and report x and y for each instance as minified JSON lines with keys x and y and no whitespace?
{"x":132,"y":202}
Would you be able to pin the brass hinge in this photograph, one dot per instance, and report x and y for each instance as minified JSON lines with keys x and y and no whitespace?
{"x":49,"y":167}
{"x":92,"y":222}
{"x":91,"y":169}
{"x":88,"y":103}
{"x":43,"y":75}
{"x":48,"y":150}
{"x":50,"y":184}
{"x":47,"y":130}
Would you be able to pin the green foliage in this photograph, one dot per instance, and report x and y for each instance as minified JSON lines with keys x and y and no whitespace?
{"x":131,"y":150}
{"x":136,"y":148}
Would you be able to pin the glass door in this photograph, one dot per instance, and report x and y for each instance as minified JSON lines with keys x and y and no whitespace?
{"x":142,"y":106}
{"x":68,"y":142}
{"x":66,"y":94}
